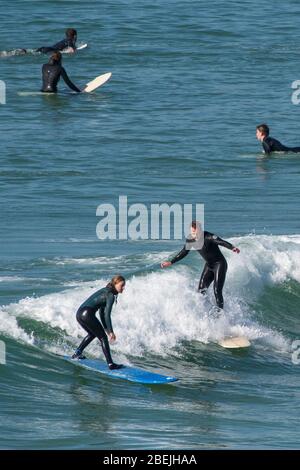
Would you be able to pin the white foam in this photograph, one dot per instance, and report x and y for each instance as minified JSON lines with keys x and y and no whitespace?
{"x":21,"y":279}
{"x":121,"y":260}
{"x":263,"y":260}
{"x":11,"y":279}
{"x":159,"y":310}
{"x":9,"y":326}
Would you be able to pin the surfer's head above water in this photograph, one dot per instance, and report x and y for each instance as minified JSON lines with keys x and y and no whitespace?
{"x":71,"y":33}
{"x":196,"y":229}
{"x":262,"y":131}
{"x":55,"y":58}
{"x":117,"y":283}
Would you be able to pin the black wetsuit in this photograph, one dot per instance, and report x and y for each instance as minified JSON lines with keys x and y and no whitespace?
{"x":272,"y":145}
{"x":103,"y":301}
{"x":59,"y":46}
{"x":215,"y":267}
{"x":51,"y":76}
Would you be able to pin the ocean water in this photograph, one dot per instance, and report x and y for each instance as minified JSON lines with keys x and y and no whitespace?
{"x":176,"y":123}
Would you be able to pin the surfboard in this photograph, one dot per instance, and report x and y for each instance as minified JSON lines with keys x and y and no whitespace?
{"x":235,"y":342}
{"x":34,"y":93}
{"x":82,"y":46}
{"x":98,"y":81}
{"x":132,"y":374}
{"x":69,"y":50}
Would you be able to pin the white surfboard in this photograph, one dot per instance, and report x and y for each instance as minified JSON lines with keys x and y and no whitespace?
{"x":98,"y":81}
{"x":82,"y":46}
{"x":34,"y":93}
{"x":70,"y":50}
{"x":235,"y":342}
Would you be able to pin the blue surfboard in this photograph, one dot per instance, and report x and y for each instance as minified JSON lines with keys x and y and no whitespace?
{"x":132,"y":374}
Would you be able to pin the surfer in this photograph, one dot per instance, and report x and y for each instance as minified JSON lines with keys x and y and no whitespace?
{"x":207,"y":244}
{"x":68,"y":42}
{"x":52,"y":71}
{"x":102,"y":300}
{"x":269,"y":143}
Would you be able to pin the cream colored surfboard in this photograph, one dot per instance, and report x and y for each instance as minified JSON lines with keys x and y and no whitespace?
{"x":235,"y":342}
{"x":98,"y":81}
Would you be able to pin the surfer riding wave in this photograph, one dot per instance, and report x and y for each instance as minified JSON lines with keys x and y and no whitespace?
{"x":102,"y":300}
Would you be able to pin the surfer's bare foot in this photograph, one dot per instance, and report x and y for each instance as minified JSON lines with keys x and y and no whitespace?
{"x":115,"y":366}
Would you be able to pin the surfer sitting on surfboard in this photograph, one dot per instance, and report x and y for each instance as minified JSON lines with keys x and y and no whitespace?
{"x":207,"y":244}
{"x":103,"y":301}
{"x":68,"y":42}
{"x":52,"y":72}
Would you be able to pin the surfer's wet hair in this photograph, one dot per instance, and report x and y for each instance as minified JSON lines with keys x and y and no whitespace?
{"x":71,"y":33}
{"x":115,"y":280}
{"x":264,"y":129}
{"x":55,"y":58}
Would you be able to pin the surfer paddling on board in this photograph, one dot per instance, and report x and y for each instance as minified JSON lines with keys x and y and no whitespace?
{"x":52,"y":71}
{"x":207,"y":244}
{"x":269,"y":143}
{"x":68,"y":43}
{"x":102,"y":300}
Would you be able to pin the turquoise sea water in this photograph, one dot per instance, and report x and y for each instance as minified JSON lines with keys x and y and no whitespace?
{"x":176,"y":123}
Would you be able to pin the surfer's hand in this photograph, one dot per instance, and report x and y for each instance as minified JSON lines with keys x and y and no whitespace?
{"x":165,"y":264}
{"x":236,"y":250}
{"x":112,"y":337}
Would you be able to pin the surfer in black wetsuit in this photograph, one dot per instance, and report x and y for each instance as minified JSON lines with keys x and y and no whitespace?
{"x":103,"y":301}
{"x":207,"y":244}
{"x":52,"y":72}
{"x":69,"y":41}
{"x":269,"y":144}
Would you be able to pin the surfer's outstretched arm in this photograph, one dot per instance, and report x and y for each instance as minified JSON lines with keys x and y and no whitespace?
{"x":219,"y":241}
{"x":68,"y":81}
{"x":182,"y":254}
